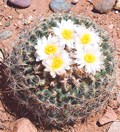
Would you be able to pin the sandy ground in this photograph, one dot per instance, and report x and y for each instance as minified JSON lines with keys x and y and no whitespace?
{"x":12,"y":19}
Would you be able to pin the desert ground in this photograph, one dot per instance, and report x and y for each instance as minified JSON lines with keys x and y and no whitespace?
{"x":14,"y":19}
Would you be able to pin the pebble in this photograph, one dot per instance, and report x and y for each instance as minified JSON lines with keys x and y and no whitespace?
{"x":60,"y":6}
{"x":21,"y":3}
{"x":111,"y":26}
{"x":103,"y":6}
{"x":115,"y":127}
{"x":20,"y":16}
{"x":10,"y":17}
{"x":5,"y":6}
{"x":109,"y":116}
{"x":5,"y":34}
{"x":7,"y":23}
{"x":6,"y":18}
{"x":74,"y":1}
{"x":116,"y":12}
{"x":0,"y":23}
{"x":23,"y":125}
{"x":117,"y":6}
{"x":28,"y":20}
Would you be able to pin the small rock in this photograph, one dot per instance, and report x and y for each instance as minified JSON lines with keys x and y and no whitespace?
{"x":0,"y":23}
{"x":74,"y":1}
{"x":115,"y":127}
{"x":28,"y":20}
{"x":5,"y":34}
{"x":111,"y":26}
{"x":20,"y":16}
{"x":7,"y":23}
{"x":10,"y":17}
{"x":5,"y":1}
{"x":60,"y":6}
{"x":103,"y":6}
{"x":116,"y":12}
{"x":21,"y":3}
{"x":117,"y":6}
{"x":5,"y":6}
{"x":23,"y":125}
{"x":109,"y":116}
{"x":6,"y":18}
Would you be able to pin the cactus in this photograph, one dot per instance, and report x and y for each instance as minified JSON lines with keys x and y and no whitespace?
{"x":65,"y":98}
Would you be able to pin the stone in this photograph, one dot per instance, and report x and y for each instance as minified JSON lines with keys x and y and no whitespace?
{"x":23,"y":125}
{"x":1,"y":24}
{"x":5,"y":34}
{"x":21,"y":3}
{"x":60,"y":6}
{"x":116,"y":12}
{"x":115,"y":127}
{"x":117,"y":6}
{"x":74,"y":1}
{"x":103,"y":6}
{"x":109,"y":116}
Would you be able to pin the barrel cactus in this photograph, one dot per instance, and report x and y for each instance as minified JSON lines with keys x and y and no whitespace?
{"x":62,"y":69}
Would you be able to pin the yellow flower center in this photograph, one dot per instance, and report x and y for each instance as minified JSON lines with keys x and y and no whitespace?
{"x":67,"y":34}
{"x":86,"y":38}
{"x":56,"y":63}
{"x":89,"y":58}
{"x":50,"y":49}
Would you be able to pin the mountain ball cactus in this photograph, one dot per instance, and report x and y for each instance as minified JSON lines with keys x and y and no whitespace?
{"x":63,"y":69}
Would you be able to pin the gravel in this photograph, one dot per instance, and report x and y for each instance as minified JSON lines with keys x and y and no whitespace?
{"x":5,"y":34}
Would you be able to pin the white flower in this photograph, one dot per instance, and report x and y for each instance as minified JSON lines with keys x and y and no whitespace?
{"x":65,"y":30}
{"x":91,"y":59}
{"x":87,"y":37}
{"x":57,"y":64}
{"x":46,"y":47}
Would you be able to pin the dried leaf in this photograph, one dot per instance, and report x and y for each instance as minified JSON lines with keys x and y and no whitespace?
{"x":109,"y":116}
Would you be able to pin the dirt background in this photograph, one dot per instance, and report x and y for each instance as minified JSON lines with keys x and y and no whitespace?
{"x":14,"y":19}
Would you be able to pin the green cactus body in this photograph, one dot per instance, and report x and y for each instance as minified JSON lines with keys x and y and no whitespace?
{"x":67,"y":97}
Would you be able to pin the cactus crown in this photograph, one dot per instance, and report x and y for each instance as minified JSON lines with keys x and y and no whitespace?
{"x":62,"y":70}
